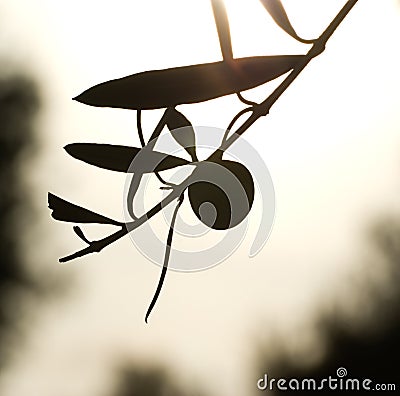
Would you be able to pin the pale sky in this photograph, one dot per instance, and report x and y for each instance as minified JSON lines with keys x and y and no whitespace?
{"x":331,"y":144}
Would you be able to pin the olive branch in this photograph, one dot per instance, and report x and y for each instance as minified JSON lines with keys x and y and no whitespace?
{"x":222,"y":80}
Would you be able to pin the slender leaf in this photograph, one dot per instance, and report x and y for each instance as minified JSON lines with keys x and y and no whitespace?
{"x":222,"y":24}
{"x":278,"y":13}
{"x":67,"y":211}
{"x":188,"y":84}
{"x":123,"y":158}
{"x":182,"y":131}
{"x":78,"y":231}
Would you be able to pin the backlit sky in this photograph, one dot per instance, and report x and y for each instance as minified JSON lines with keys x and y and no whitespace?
{"x":331,"y":144}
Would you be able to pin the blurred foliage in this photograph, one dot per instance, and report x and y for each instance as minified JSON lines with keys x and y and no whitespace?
{"x":19,"y":287}
{"x":369,"y":349}
{"x":152,"y":381}
{"x":19,"y":103}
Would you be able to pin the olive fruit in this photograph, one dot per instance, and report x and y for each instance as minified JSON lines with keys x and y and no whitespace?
{"x":221,"y":194}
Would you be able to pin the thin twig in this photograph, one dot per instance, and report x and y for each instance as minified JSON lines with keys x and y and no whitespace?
{"x":98,"y":245}
{"x":166,"y":259}
{"x":153,"y":139}
{"x":137,"y":177}
{"x":139,"y":127}
{"x":133,"y":188}
{"x":234,"y":120}
{"x":158,"y":129}
{"x":244,"y":100}
{"x":161,"y":180}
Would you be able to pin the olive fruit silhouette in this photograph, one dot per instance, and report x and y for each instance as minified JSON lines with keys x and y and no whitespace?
{"x":221,"y":194}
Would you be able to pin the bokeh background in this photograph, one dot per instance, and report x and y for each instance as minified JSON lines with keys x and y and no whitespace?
{"x":322,"y":294}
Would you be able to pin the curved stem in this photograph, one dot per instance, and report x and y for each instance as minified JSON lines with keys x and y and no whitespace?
{"x":305,"y":41}
{"x":244,"y":100}
{"x":163,"y":181}
{"x":234,"y":120}
{"x":166,"y":259}
{"x":153,"y":139}
{"x":136,"y":179}
{"x":133,"y":188}
{"x":139,"y":127}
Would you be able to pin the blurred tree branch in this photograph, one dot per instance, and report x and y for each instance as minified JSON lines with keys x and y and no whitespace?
{"x":20,"y":287}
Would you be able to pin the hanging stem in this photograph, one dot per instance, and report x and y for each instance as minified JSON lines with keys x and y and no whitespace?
{"x":139,"y":127}
{"x":166,"y":259}
{"x":153,"y":139}
{"x":244,"y":100}
{"x":234,"y":120}
{"x":136,"y":178}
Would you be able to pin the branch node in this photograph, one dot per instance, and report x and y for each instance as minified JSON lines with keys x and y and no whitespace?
{"x":317,"y":49}
{"x":261,"y":110}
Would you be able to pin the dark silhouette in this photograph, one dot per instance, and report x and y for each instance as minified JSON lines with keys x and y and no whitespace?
{"x":120,"y":158}
{"x":19,"y":105}
{"x":223,"y":29}
{"x":166,"y":259}
{"x":66,"y":211}
{"x":189,"y":84}
{"x":278,"y":13}
{"x":182,"y":131}
{"x":219,"y":181}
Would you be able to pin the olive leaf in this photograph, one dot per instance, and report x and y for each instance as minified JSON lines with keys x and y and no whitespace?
{"x":188,"y":84}
{"x":67,"y":211}
{"x":78,"y":231}
{"x":182,"y":131}
{"x":278,"y":13}
{"x":123,"y":158}
{"x":222,"y":24}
